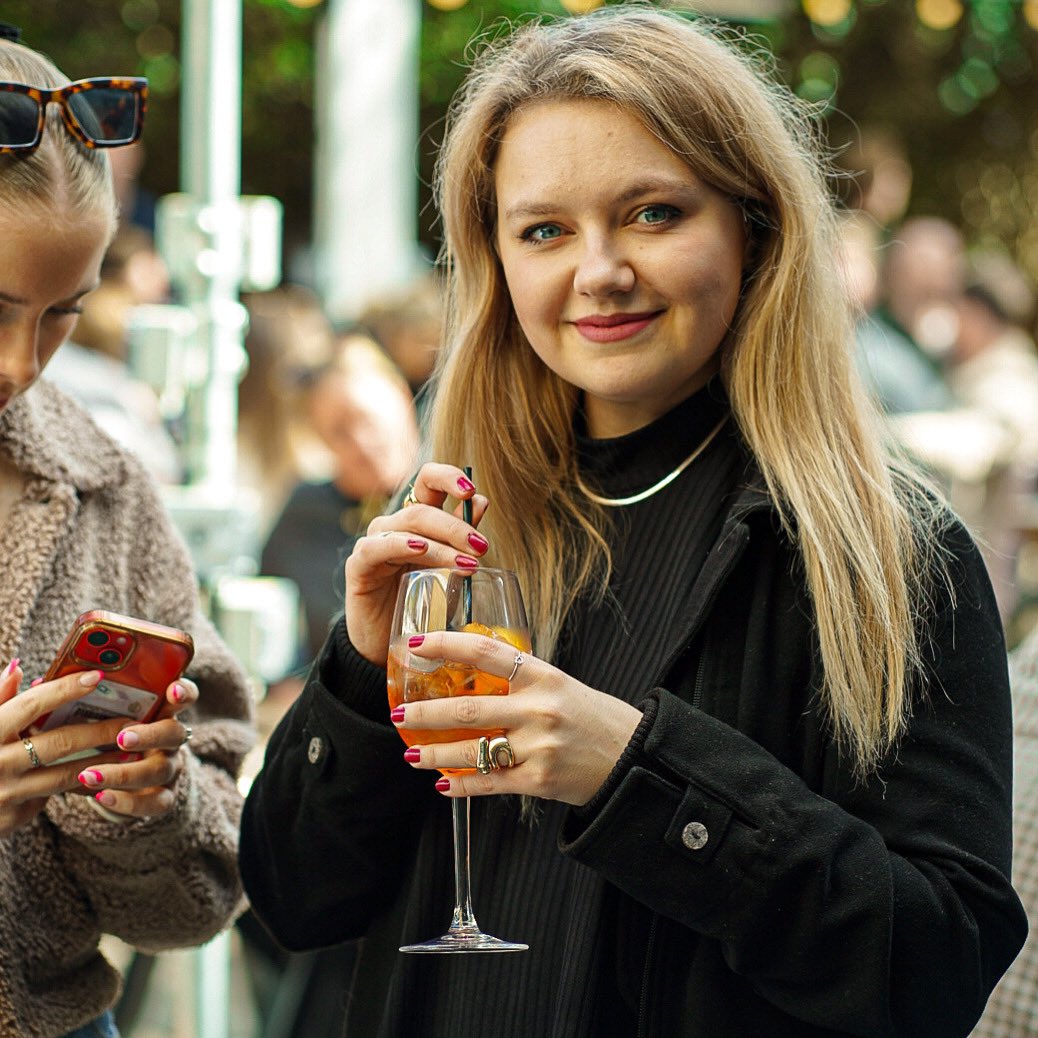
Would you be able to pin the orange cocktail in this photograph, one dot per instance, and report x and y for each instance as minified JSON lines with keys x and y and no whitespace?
{"x":409,"y":683}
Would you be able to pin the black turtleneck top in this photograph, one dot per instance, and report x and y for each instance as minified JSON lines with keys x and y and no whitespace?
{"x":582,"y":974}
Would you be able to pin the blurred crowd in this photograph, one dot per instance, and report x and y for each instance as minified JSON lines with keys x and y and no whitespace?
{"x":946,"y":343}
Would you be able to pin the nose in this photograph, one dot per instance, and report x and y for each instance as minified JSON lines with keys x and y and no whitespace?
{"x":19,"y":354}
{"x":603,"y":268}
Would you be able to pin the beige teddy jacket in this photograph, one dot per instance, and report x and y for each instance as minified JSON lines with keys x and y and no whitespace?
{"x":88,"y":531}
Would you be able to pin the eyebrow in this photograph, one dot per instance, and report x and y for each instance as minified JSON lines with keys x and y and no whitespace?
{"x":6,"y":297}
{"x":637,"y":190}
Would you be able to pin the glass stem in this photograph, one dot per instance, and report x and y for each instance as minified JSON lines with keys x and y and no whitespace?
{"x":463,"y":916}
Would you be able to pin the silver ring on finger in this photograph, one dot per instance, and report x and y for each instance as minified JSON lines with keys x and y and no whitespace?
{"x":33,"y":755}
{"x":519,"y":660}
{"x":187,"y":734}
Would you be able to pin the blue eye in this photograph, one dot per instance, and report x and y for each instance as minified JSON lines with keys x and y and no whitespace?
{"x":541,"y":232}
{"x":657,"y":214}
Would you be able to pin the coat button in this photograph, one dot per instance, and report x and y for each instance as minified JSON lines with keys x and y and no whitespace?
{"x":694,"y":836}
{"x":315,"y":751}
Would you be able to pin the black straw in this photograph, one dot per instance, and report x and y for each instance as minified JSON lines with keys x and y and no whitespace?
{"x":466,"y":514}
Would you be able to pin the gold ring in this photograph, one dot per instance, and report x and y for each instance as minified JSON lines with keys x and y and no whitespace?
{"x":483,"y":763}
{"x":410,"y":499}
{"x":498,"y":746}
{"x":33,"y":755}
{"x":520,"y":659}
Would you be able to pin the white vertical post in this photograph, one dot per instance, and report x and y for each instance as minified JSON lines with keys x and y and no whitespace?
{"x":210,"y":175}
{"x":366,"y":157}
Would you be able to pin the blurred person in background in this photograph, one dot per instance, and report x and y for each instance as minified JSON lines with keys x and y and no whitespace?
{"x":993,"y":369}
{"x":911,"y":324}
{"x":137,"y":842}
{"x":288,"y":337}
{"x":360,"y":408}
{"x":408,"y":325}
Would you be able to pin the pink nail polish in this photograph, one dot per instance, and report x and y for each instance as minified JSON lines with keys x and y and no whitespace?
{"x":478,"y":542}
{"x":397,"y":714}
{"x":91,"y":777}
{"x":443,"y":784}
{"x":466,"y":562}
{"x":415,"y":640}
{"x":417,"y":544}
{"x":127,"y":758}
{"x":106,"y":797}
{"x":412,"y":755}
{"x":127,"y":740}
{"x":465,"y":485}
{"x":10,"y":666}
{"x":178,"y":693}
{"x":35,"y":682}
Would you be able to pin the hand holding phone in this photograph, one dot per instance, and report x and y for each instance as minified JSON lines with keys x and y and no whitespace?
{"x":138,"y":660}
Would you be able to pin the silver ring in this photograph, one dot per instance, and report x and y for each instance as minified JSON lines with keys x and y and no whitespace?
{"x":187,"y":733}
{"x":410,"y":499}
{"x":520,"y":659}
{"x":498,"y":746}
{"x":33,"y":755}
{"x":483,"y":763}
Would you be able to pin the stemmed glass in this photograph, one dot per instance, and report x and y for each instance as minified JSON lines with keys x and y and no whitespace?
{"x":486,"y":601}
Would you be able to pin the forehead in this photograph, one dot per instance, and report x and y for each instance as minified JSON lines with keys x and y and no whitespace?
{"x":569,"y":144}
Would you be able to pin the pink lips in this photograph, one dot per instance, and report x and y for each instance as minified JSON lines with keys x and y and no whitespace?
{"x":614,"y":327}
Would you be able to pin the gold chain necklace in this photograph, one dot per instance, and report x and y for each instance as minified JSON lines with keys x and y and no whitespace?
{"x":619,"y":502}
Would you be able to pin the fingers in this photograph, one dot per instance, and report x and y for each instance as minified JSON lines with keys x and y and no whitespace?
{"x":18,"y":713}
{"x":167,"y":733}
{"x":10,"y":679}
{"x":181,"y":694}
{"x":422,"y":529}
{"x":145,"y":803}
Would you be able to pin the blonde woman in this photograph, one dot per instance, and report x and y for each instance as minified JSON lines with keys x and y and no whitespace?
{"x":138,"y":842}
{"x":762,"y":752}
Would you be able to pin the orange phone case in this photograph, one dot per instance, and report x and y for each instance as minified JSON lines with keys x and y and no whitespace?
{"x":139,"y":659}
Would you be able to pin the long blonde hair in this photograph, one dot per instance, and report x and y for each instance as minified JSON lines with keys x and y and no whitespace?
{"x":787,"y":363}
{"x":61,"y":171}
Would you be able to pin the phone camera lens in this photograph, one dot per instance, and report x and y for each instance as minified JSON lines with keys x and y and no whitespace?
{"x":109,"y":656}
{"x":97,"y":637}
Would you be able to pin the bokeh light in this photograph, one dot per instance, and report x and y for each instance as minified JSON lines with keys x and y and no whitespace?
{"x":581,"y":6}
{"x":1031,"y":13}
{"x":447,"y":5}
{"x":827,"y":12}
{"x":939,"y":14}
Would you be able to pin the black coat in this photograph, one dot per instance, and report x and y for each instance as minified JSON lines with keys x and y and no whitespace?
{"x":787,"y":899}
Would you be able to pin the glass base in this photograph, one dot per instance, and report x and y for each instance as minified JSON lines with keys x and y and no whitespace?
{"x":463,"y":940}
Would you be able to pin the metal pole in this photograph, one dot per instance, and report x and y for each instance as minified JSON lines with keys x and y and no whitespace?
{"x":211,"y":176}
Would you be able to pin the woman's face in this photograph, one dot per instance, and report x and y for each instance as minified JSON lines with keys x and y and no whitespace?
{"x":48,"y":263}
{"x":624,"y":268}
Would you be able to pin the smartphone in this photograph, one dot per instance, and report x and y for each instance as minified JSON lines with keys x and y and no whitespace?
{"x":139,"y":659}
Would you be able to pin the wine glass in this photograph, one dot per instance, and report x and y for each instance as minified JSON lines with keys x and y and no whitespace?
{"x":486,"y":601}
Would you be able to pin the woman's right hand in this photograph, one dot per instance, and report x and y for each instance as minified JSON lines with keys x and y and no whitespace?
{"x":27,"y":776}
{"x":420,"y":535}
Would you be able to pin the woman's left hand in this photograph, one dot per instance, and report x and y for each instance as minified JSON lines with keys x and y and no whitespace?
{"x":140,"y":786}
{"x":565,"y":737}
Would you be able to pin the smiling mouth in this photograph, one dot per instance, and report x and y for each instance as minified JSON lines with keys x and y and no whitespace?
{"x":614,"y":327}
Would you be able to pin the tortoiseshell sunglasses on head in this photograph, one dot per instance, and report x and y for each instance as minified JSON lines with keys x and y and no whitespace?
{"x":100,"y":113}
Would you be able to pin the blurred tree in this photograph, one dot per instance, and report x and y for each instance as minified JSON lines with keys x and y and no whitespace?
{"x":952,"y":81}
